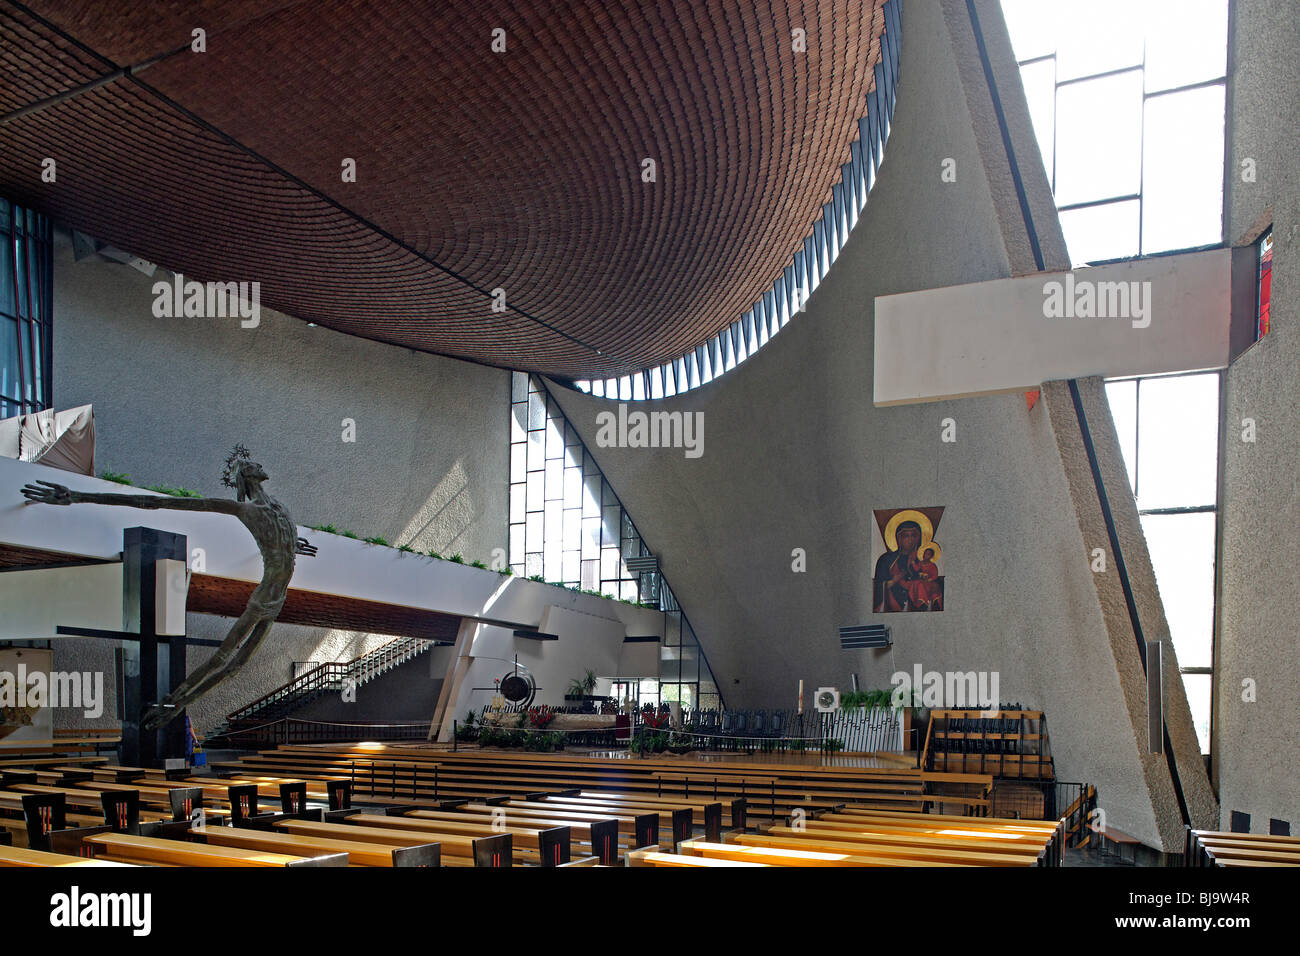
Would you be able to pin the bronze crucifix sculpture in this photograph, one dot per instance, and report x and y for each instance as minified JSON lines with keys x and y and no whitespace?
{"x":277,"y":540}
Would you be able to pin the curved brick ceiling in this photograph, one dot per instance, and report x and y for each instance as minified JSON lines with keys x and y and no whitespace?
{"x":475,"y":170}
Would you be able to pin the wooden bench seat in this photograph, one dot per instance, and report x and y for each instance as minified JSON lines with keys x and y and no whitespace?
{"x":1230,"y":862}
{"x":1037,"y":839}
{"x":939,"y":854}
{"x":1218,"y":853}
{"x":523,"y":836}
{"x":549,"y":770}
{"x":18,"y":763}
{"x":12,"y":856}
{"x":659,"y":858}
{"x":916,"y":839}
{"x":783,"y":856}
{"x":579,"y":830}
{"x":178,"y":852}
{"x":524,"y":809}
{"x":415,"y":774}
{"x":851,"y":812}
{"x":1219,"y":848}
{"x":928,"y":821}
{"x":383,"y":840}
{"x":615,"y":807}
{"x":304,"y":845}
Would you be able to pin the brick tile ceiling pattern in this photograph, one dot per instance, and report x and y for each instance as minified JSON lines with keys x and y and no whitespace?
{"x":475,"y":170}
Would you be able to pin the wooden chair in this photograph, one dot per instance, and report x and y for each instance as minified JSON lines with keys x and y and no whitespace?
{"x":293,"y":797}
{"x":429,"y":854}
{"x":554,"y":846}
{"x":243,"y":804}
{"x":121,"y":810}
{"x":494,"y":852}
{"x":183,"y":801}
{"x":43,"y":813}
{"x":340,"y":794}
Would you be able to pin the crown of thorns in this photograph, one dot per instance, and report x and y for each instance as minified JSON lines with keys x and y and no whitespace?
{"x":238,"y":457}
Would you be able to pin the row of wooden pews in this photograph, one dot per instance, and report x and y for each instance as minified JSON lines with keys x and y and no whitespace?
{"x":160,"y":821}
{"x":261,"y":819}
{"x":866,"y":838}
{"x":150,"y":818}
{"x":1237,"y":850}
{"x":417,"y":774}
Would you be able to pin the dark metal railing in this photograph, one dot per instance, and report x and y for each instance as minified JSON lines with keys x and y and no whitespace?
{"x":333,"y":675}
{"x":876,"y":730}
{"x":292,"y":730}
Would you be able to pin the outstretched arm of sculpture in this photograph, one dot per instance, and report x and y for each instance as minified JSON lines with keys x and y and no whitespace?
{"x":265,"y":519}
{"x":49,"y":493}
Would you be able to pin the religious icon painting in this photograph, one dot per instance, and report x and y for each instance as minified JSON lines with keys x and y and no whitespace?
{"x":907,"y":561}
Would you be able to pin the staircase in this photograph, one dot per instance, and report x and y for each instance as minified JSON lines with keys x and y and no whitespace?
{"x":330,"y":678}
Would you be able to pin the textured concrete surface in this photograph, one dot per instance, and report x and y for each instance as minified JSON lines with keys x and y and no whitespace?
{"x":796,"y":456}
{"x":406,"y":694}
{"x":1258,"y":743}
{"x":172,"y":396}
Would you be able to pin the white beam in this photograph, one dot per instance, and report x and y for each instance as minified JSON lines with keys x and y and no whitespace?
{"x":1008,"y":335}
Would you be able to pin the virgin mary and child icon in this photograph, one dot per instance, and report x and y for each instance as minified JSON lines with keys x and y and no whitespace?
{"x":907,"y":574}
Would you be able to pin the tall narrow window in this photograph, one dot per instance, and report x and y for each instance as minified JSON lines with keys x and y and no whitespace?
{"x":25,"y":304}
{"x":567,"y":527}
{"x":1169,"y":434}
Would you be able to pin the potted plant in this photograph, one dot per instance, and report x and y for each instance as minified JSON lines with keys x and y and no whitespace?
{"x":582,"y":687}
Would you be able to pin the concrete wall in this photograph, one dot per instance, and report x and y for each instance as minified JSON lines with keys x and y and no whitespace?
{"x":1257,"y":743}
{"x":797,"y":456}
{"x":406,"y":694}
{"x":171,"y":396}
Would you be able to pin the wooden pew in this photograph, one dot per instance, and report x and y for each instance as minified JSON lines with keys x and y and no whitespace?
{"x":357,"y":853}
{"x":887,"y":843}
{"x":178,"y":852}
{"x":90,"y":800}
{"x":396,"y":768}
{"x":1053,"y":831}
{"x":601,"y":836}
{"x":453,"y":844}
{"x":659,"y":858}
{"x":731,"y":807}
{"x":906,"y":855}
{"x":678,"y":821}
{"x":1219,"y":854}
{"x":1235,"y":847}
{"x":785,"y":856}
{"x":924,"y":824}
{"x":12,"y":856}
{"x":547,"y":846}
{"x":642,"y":828}
{"x":526,"y":837}
{"x":1020,"y":841}
{"x":1217,"y":848}
{"x":705,"y":813}
{"x":928,"y":818}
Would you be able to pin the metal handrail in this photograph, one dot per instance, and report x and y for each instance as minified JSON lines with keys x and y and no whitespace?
{"x":331,"y":674}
